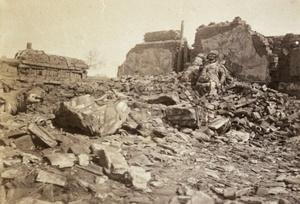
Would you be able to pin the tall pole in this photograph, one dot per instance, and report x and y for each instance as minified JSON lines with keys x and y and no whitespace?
{"x":185,"y":53}
{"x":180,"y":48}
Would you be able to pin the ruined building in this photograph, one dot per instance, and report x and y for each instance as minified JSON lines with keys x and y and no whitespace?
{"x":246,"y":52}
{"x":36,"y":66}
{"x":157,"y":55}
{"x":249,"y":56}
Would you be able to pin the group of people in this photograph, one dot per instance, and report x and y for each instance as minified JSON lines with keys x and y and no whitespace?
{"x":212,"y":74}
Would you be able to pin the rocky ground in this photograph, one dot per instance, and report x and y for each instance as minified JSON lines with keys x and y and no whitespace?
{"x":172,"y":147}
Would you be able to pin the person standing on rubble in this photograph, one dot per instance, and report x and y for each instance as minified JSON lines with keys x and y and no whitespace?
{"x":213,"y":75}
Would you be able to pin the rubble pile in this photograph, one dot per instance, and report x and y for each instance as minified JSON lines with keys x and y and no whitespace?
{"x":89,"y":118}
{"x":163,"y":143}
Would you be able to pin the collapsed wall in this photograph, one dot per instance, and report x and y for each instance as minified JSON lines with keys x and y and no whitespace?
{"x":157,"y":55}
{"x":34,"y":67}
{"x":43,"y":67}
{"x":287,"y":50}
{"x":9,"y":72}
{"x":285,"y":73}
{"x":246,"y":52}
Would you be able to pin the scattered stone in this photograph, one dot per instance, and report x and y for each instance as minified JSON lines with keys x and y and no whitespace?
{"x":252,"y":200}
{"x":141,"y":200}
{"x":221,"y":124}
{"x":62,"y":160}
{"x":2,"y":195}
{"x":278,"y":190}
{"x":218,"y":191}
{"x":42,"y":134}
{"x":192,"y":180}
{"x":101,"y":195}
{"x":25,"y":143}
{"x":84,"y":159}
{"x":31,"y":157}
{"x":240,"y":136}
{"x":292,"y":180}
{"x":183,"y":199}
{"x":81,"y":201}
{"x":28,"y":200}
{"x":139,"y":177}
{"x":157,"y":184}
{"x":262,"y":191}
{"x":175,"y":200}
{"x":15,"y":133}
{"x":201,"y":136}
{"x":167,"y":99}
{"x":201,"y":197}
{"x":47,"y":177}
{"x":229,"y":193}
{"x":92,"y":168}
{"x":101,"y":179}
{"x":48,"y":192}
{"x":160,"y":132}
{"x":283,"y":201}
{"x":77,"y":149}
{"x":1,"y":165}
{"x":181,"y":116}
{"x":111,"y":160}
{"x":281,"y":177}
{"x":11,"y":162}
{"x":140,"y":160}
{"x":10,"y":174}
{"x":244,"y":192}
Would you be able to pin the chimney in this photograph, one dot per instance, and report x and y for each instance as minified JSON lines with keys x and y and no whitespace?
{"x":29,"y":46}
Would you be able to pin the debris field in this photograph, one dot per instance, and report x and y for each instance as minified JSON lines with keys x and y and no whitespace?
{"x":151,"y":140}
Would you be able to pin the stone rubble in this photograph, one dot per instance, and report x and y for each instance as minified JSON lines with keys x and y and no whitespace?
{"x":165,"y":144}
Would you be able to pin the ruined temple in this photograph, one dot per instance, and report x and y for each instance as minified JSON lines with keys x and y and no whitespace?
{"x":248,"y":55}
{"x":36,"y":66}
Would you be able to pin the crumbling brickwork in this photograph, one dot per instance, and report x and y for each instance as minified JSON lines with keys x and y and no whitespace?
{"x":43,"y":67}
{"x":246,"y":52}
{"x":157,"y":55}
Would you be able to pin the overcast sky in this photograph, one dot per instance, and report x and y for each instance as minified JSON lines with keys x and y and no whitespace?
{"x":112,"y":27}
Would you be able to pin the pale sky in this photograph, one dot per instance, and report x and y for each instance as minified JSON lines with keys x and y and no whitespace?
{"x":112,"y":27}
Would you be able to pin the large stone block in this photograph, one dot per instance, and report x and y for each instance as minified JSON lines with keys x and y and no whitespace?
{"x":41,"y":133}
{"x":166,"y":98}
{"x":182,"y":116}
{"x":111,"y":160}
{"x":139,"y":177}
{"x":82,"y":114}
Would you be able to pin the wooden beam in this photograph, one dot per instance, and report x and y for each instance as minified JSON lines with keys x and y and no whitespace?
{"x":180,"y":48}
{"x":185,"y":53}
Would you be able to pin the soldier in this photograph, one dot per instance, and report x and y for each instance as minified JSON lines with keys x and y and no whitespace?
{"x":213,"y":75}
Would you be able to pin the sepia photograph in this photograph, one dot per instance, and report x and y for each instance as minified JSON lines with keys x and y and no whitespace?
{"x":149,"y":102}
